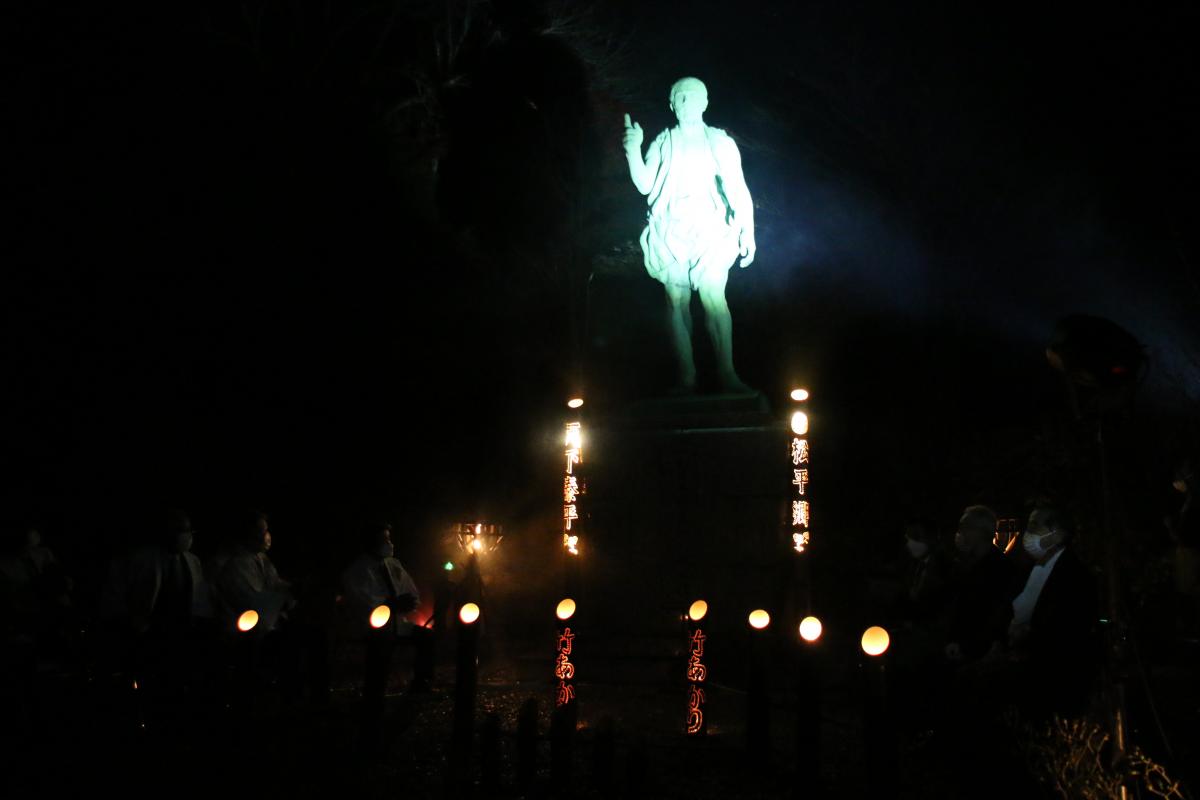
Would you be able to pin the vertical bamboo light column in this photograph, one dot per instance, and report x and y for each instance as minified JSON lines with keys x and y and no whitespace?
{"x":758,"y":709}
{"x":808,"y":708}
{"x":574,"y":486}
{"x":466,"y":678}
{"x":799,"y":456}
{"x":696,"y":723}
{"x":879,"y":735}
{"x":564,"y":649}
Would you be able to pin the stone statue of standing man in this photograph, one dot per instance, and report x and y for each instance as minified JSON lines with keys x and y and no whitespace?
{"x":701,"y":219}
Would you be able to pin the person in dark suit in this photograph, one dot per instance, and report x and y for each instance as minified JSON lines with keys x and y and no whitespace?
{"x":1183,"y":526}
{"x":1053,"y":634}
{"x":159,"y":589}
{"x":919,"y":601}
{"x":158,"y":611}
{"x":968,"y":725}
{"x":984,"y":587}
{"x":1047,"y":667}
{"x":928,"y":574}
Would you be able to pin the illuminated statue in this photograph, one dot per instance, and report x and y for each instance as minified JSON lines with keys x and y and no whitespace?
{"x":701,"y":219}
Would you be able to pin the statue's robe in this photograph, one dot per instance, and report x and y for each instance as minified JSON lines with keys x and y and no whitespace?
{"x":691,"y":234}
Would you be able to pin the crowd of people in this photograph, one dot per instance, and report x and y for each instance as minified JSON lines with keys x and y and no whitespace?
{"x":994,"y":618}
{"x":166,"y":622}
{"x":1011,"y":619}
{"x":999,"y":614}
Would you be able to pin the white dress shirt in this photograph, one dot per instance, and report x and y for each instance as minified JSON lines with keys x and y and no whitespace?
{"x":1024,"y":603}
{"x":370,"y":582}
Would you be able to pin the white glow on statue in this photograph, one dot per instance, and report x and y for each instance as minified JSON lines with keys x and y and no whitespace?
{"x":701,"y":219}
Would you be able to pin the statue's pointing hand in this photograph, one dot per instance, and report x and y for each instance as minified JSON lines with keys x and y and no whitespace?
{"x":633,"y":136}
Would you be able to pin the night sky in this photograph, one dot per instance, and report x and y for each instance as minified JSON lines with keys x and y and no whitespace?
{"x":297,"y":255}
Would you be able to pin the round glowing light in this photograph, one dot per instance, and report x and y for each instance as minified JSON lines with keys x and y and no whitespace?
{"x":380,"y":616}
{"x":800,"y":423}
{"x":477,"y":545}
{"x":875,"y":641}
{"x":810,"y":629}
{"x":799,"y":395}
{"x":759,"y":619}
{"x":575,"y":402}
{"x":469,"y":613}
{"x":448,"y":566}
{"x":697,"y":610}
{"x":566,"y":609}
{"x":247,"y":620}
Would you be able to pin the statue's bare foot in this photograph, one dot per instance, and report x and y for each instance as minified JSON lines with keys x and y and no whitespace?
{"x":682,"y":389}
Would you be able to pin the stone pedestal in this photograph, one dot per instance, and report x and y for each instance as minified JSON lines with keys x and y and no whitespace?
{"x":686,"y":499}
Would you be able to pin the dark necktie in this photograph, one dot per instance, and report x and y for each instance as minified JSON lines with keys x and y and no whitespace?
{"x":185,"y":585}
{"x":174,"y":601}
{"x":388,"y":584}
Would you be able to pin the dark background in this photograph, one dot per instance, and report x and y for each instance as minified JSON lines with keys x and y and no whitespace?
{"x":332,"y":258}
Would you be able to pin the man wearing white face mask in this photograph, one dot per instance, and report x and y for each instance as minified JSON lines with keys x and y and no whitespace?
{"x":160,"y":588}
{"x":1053,"y":627}
{"x":927,"y":574}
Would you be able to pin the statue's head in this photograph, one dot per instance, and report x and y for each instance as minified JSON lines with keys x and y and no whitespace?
{"x":689,"y":99}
